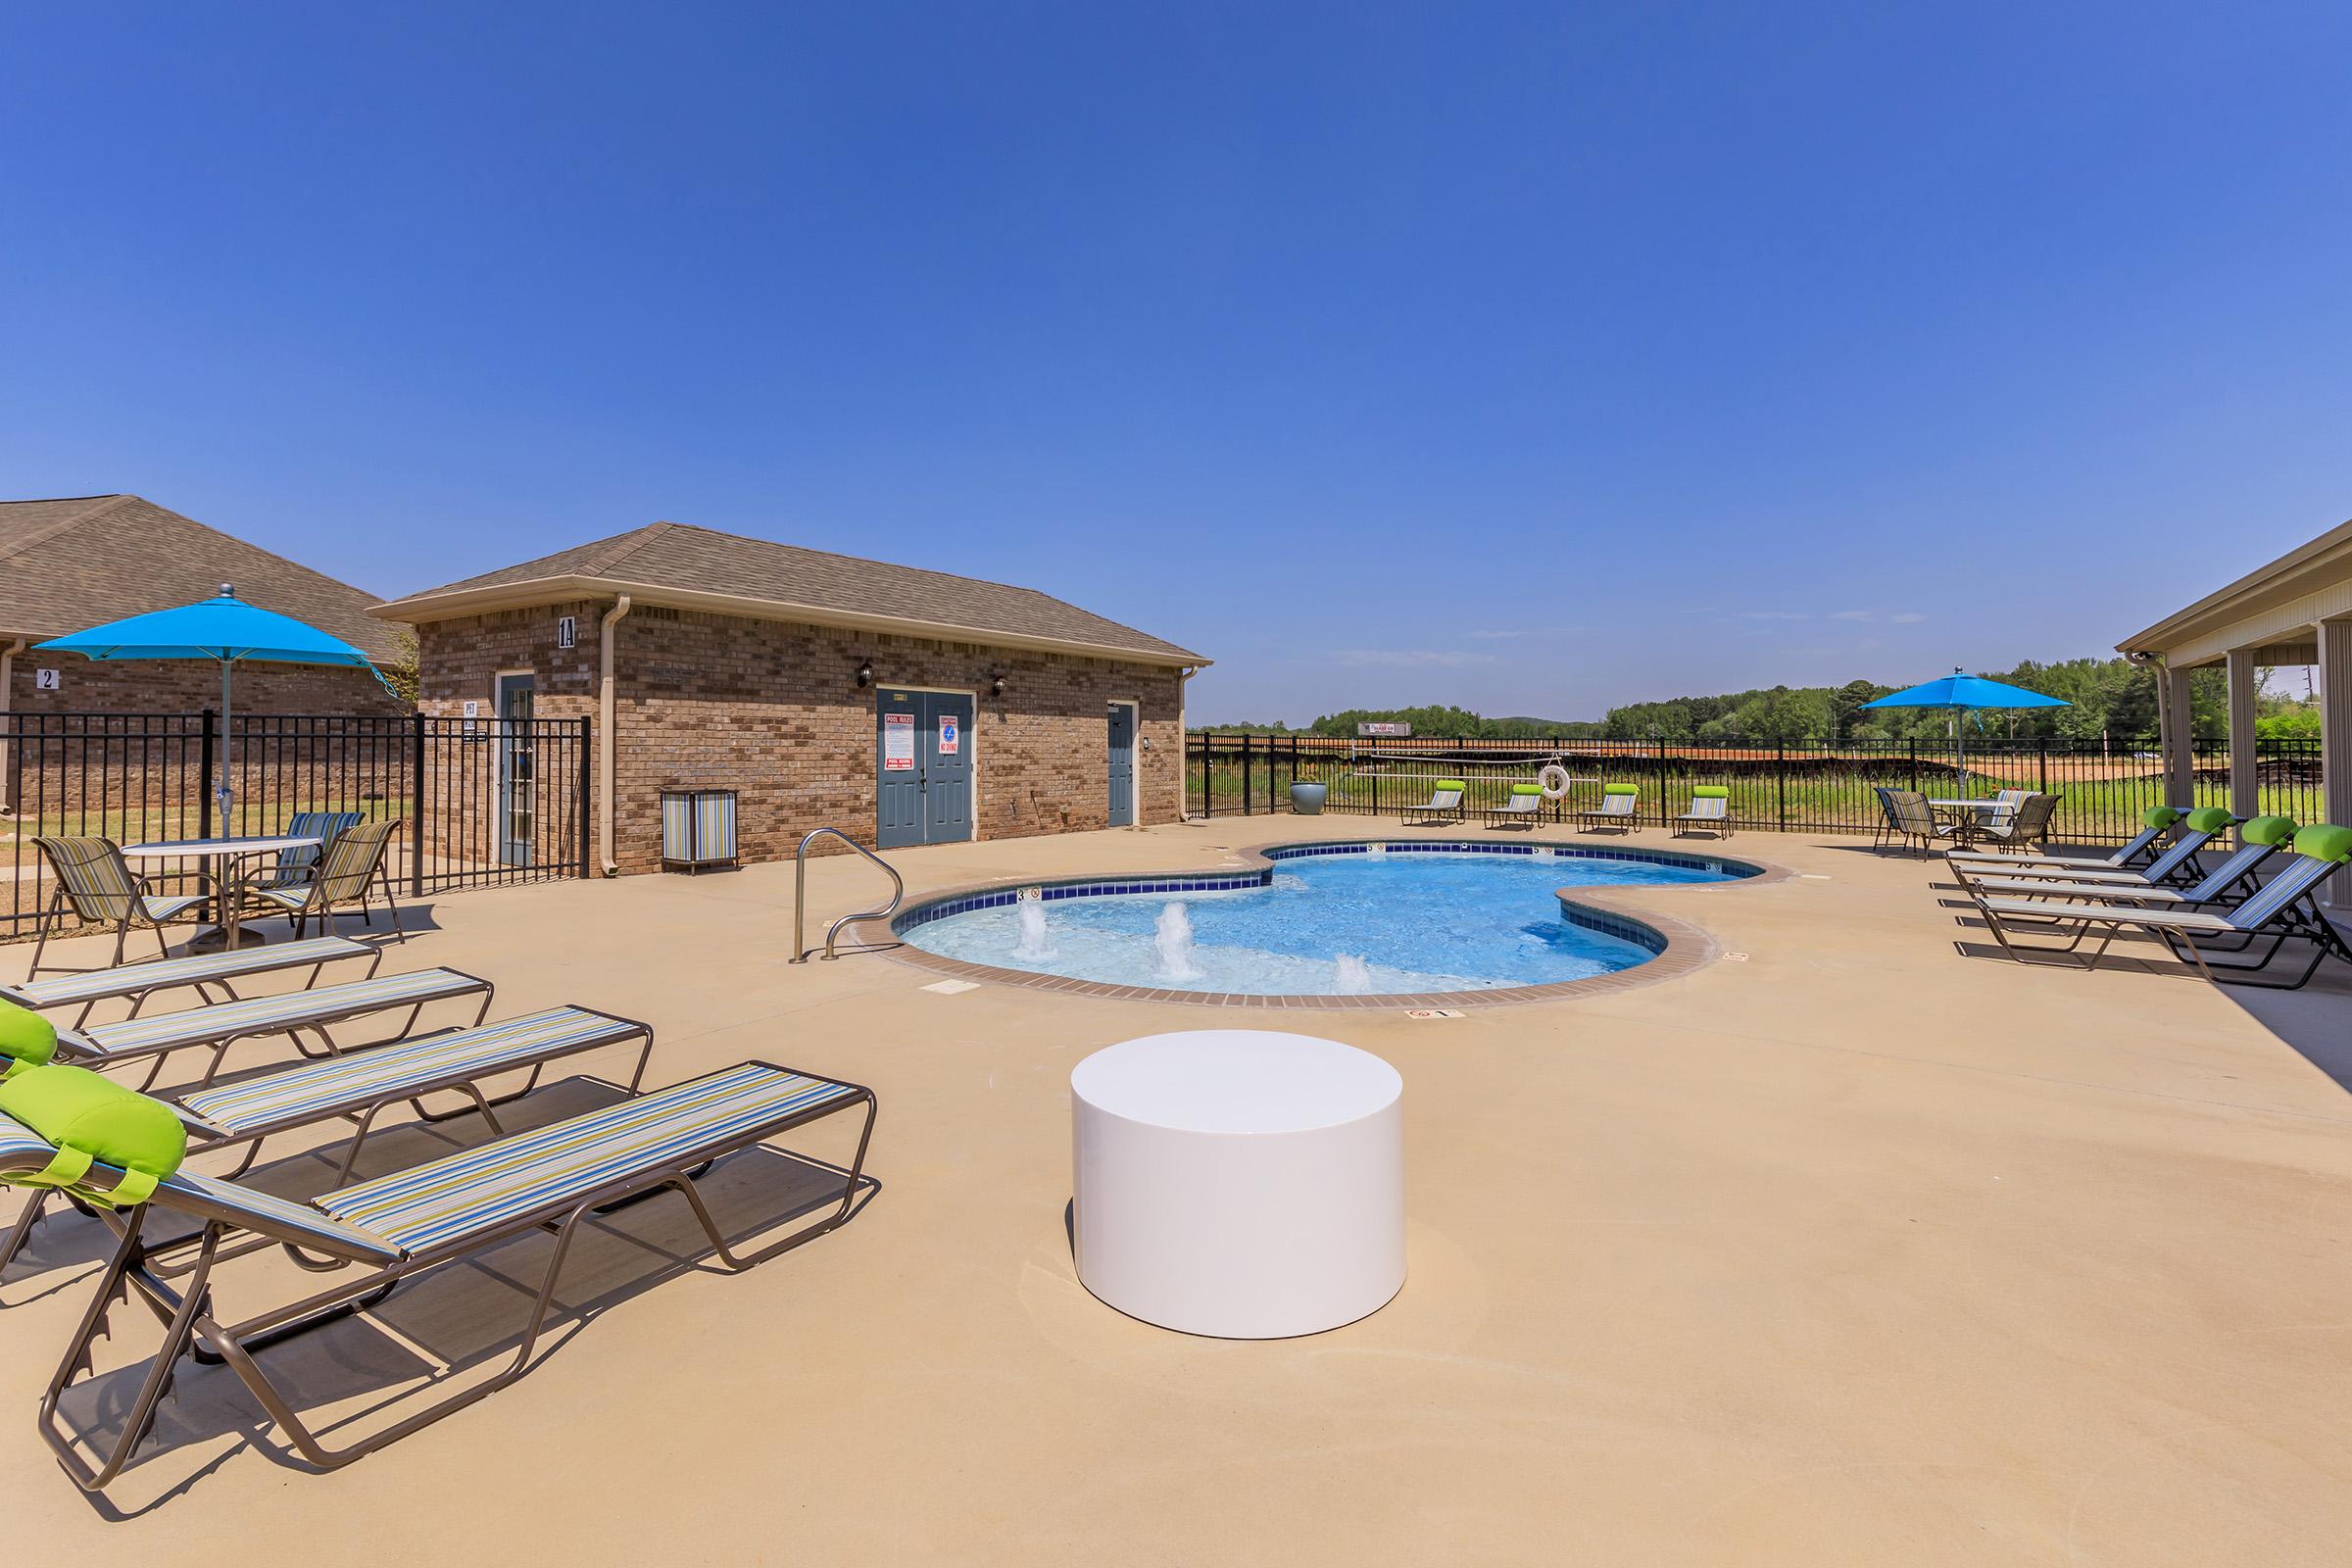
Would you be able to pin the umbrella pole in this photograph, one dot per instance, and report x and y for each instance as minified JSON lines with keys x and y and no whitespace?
{"x":222,"y":795}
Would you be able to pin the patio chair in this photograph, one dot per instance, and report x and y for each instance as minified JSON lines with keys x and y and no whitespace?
{"x":1524,"y":808}
{"x":2284,"y":910}
{"x":352,"y":866}
{"x":1620,"y":805}
{"x":2023,"y":827}
{"x":1445,"y":804}
{"x":1915,"y":822}
{"x":1710,"y":807}
{"x":356,"y":1088}
{"x":2154,"y":823}
{"x":2229,"y":882}
{"x":118,"y":1150}
{"x":98,"y":887}
{"x":296,"y":1015}
{"x":294,"y":865}
{"x":204,"y":973}
{"x":2176,"y":866}
{"x":1890,"y":826}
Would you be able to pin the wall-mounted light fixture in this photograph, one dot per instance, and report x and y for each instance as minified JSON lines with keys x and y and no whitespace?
{"x":996,"y":685}
{"x":865,"y":673}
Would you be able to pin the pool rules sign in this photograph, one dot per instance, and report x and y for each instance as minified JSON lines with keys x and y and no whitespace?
{"x":897,"y":743}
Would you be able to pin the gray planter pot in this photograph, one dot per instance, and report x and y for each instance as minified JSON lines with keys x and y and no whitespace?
{"x":1306,"y":798}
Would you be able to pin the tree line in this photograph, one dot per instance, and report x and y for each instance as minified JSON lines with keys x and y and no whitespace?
{"x":2112,"y":698}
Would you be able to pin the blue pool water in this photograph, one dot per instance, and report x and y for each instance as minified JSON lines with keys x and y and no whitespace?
{"x":1327,"y":924}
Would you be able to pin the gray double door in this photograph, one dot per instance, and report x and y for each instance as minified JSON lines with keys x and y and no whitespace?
{"x":922,"y":768}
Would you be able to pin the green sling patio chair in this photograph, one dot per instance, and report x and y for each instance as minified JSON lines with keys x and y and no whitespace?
{"x":357,"y":1088}
{"x":118,"y":1150}
{"x":1710,"y":807}
{"x":1445,"y":804}
{"x":351,"y":870}
{"x":93,"y":883}
{"x":1620,"y":806}
{"x":2154,"y":824}
{"x":2284,"y":910}
{"x":1524,"y":808}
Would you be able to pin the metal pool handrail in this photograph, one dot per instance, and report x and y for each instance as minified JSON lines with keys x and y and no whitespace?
{"x":799,"y":895}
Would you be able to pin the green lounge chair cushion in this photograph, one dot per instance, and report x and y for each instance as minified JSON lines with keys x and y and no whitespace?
{"x":2326,"y":841}
{"x":2209,"y":820}
{"x":1454,"y":784}
{"x":1710,"y":792}
{"x":1527,"y":789}
{"x":2159,"y":816}
{"x":90,"y":1119}
{"x":1621,"y":789}
{"x":2267,"y":830}
{"x":27,"y":1038}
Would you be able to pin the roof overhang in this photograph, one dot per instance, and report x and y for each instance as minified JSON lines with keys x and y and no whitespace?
{"x":525,"y":595}
{"x":2270,"y":611}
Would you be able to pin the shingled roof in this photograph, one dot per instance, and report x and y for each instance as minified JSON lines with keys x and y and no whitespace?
{"x":81,"y":560}
{"x":730,"y":572}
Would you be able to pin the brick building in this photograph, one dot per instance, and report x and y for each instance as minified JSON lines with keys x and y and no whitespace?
{"x":903,"y":707}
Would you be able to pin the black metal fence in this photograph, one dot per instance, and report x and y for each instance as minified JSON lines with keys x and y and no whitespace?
{"x":2103,"y":785}
{"x":485,"y":801}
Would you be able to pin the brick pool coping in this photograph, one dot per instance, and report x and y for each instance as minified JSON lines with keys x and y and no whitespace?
{"x":1685,"y":946}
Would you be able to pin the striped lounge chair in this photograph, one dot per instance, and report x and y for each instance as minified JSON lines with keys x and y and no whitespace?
{"x":204,"y":973}
{"x":97,"y":887}
{"x":2286,"y":910}
{"x":299,"y":1015}
{"x":1710,"y":807}
{"x":1620,"y":805}
{"x":2154,"y":824}
{"x":383,"y":1231}
{"x":363,"y":1086}
{"x":1523,"y":809}
{"x":1445,"y":804}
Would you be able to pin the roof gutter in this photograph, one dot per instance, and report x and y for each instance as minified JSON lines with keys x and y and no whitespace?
{"x":608,"y":753}
{"x":547,"y":590}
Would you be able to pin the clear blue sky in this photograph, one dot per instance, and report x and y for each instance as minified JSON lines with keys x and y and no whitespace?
{"x":1531,"y":358}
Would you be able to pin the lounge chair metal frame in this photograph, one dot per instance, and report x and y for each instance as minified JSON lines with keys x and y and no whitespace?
{"x":190,"y":1320}
{"x":361,"y":1110}
{"x":327,"y":1009}
{"x":2297,"y":917}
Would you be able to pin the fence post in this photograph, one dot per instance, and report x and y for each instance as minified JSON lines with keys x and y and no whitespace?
{"x":1913,"y":743}
{"x":1247,"y":807}
{"x":587,"y":763}
{"x":1662,"y":779}
{"x":204,"y":792}
{"x":1780,"y":778}
{"x":417,"y":805}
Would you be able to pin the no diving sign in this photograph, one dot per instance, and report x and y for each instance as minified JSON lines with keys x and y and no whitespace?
{"x":949,"y":734}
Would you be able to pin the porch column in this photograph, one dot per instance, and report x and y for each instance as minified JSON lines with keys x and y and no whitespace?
{"x":2171,"y":696}
{"x":2335,"y":739}
{"x":2244,"y":792}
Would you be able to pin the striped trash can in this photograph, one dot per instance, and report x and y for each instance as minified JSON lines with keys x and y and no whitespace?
{"x":697,"y":829}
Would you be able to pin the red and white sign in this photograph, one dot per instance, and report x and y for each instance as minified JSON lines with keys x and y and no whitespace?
{"x":897,"y":743}
{"x":949,"y":734}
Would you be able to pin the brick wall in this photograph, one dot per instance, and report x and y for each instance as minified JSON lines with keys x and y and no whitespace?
{"x":188,"y":686}
{"x":772,"y":710}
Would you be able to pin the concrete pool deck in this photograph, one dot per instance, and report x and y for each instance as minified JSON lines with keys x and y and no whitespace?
{"x":1855,"y":1245}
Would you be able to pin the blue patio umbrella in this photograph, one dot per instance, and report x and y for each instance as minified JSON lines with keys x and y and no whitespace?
{"x":1962,"y":694}
{"x":224,"y":629}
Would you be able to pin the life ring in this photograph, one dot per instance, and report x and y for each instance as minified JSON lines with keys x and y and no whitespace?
{"x":1556,"y":781}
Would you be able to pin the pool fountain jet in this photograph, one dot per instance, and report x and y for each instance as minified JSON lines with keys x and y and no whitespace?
{"x":1172,"y":941}
{"x":1351,"y":976}
{"x":1034,"y":945}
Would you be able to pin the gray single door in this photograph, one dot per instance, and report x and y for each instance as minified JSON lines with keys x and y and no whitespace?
{"x":947,"y":769}
{"x":1122,"y":765}
{"x":517,"y":789}
{"x":898,"y":768}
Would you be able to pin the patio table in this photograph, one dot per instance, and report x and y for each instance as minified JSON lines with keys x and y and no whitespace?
{"x":221,"y":857}
{"x":1969,"y":815}
{"x":1238,"y":1183}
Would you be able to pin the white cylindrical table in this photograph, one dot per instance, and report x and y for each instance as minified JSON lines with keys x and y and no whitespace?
{"x":1238,"y":1183}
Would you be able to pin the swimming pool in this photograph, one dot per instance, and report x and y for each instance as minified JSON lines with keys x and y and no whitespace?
{"x":1324,"y":919}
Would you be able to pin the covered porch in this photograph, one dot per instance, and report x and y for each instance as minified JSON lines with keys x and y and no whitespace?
{"x":2295,"y":610}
